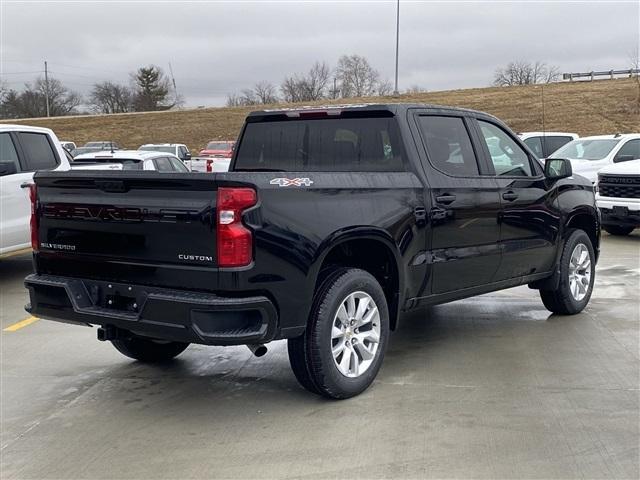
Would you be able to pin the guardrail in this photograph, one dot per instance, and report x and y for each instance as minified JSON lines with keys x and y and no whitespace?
{"x":609,"y":73}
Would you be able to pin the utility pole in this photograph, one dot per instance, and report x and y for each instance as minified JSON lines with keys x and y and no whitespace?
{"x":46,"y":86}
{"x":173,"y":80}
{"x":395,"y":91}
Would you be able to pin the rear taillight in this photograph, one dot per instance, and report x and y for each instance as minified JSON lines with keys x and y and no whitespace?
{"x":33,"y":196}
{"x":209,"y":165}
{"x":235,"y":241}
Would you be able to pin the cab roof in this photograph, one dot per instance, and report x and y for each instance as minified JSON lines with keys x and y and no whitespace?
{"x":383,"y":109}
{"x":615,"y":136}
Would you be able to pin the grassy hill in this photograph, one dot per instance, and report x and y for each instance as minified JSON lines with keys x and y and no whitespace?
{"x":587,"y":108}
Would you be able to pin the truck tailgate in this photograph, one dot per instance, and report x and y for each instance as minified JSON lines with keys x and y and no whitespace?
{"x":137,"y":220}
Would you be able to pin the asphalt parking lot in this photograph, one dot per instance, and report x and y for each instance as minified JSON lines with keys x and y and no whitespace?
{"x":490,"y":387}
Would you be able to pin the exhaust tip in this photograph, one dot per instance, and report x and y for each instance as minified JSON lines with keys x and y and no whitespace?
{"x":258,"y":350}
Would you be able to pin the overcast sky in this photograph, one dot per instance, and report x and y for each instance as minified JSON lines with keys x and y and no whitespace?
{"x":220,"y":47}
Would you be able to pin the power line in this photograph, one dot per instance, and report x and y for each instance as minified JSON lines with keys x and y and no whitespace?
{"x":21,"y":73}
{"x":82,"y":68}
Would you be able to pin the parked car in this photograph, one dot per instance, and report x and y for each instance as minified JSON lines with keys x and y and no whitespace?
{"x":588,"y":155}
{"x":68,"y":146}
{"x":23,"y":150}
{"x":618,"y":197}
{"x":203,"y":164}
{"x":331,"y":224}
{"x":215,"y":157}
{"x":180,"y":150}
{"x":129,"y":160}
{"x":218,"y":149}
{"x":104,"y":145}
{"x":543,"y":144}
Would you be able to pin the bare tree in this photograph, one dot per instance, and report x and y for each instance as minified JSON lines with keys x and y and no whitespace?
{"x":265,"y":93}
{"x":109,"y":97}
{"x":32,"y":101}
{"x":248,"y":97}
{"x":307,"y":87}
{"x":385,"y":88}
{"x":62,"y":101}
{"x":317,"y":80}
{"x":233,"y":100}
{"x":525,"y":73}
{"x":292,"y":89}
{"x":413,"y":89}
{"x":357,"y":77}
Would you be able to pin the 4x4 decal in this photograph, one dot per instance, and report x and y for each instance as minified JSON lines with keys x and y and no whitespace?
{"x":291,"y":182}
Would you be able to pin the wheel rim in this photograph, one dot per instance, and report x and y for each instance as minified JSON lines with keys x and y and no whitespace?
{"x":579,"y":272}
{"x":355,"y":334}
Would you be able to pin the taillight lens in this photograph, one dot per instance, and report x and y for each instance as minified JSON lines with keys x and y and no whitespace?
{"x":33,"y":196}
{"x":235,"y":241}
{"x":209,"y":165}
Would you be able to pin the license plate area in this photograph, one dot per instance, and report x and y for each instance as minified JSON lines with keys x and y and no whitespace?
{"x":119,"y":297}
{"x":620,"y":211}
{"x":121,"y":303}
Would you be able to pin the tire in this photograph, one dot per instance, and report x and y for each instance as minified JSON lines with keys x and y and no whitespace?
{"x":569,"y":298}
{"x":617,"y":230}
{"x":148,"y":350}
{"x":342,"y":349}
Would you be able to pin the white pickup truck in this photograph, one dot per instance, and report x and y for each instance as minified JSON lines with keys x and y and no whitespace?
{"x":23,"y":150}
{"x":618,"y":197}
{"x":180,"y":150}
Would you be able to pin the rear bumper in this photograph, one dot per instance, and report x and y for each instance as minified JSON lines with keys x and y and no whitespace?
{"x":154,"y":312}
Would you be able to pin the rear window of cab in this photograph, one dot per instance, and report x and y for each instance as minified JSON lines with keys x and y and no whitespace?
{"x":324,"y":144}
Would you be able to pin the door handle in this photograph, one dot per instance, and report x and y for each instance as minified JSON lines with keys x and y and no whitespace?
{"x":510,"y":196}
{"x":445,"y":199}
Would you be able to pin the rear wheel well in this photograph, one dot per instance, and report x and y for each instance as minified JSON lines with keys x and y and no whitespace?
{"x":374,"y":257}
{"x":588,"y":224}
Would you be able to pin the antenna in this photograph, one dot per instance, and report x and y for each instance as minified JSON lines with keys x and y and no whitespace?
{"x":173,"y":81}
{"x":46,"y":86}
{"x":544,"y":134}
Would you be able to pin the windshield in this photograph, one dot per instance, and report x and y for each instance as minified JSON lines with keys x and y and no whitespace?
{"x":586,"y":149}
{"x":219,"y":146}
{"x":158,"y":148}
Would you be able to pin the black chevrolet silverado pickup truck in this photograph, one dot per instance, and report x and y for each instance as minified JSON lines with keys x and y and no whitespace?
{"x":331,"y":224}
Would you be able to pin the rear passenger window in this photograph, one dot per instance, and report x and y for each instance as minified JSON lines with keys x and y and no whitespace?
{"x":38,"y":150}
{"x":509,"y":159}
{"x":553,"y":143}
{"x":334,"y":144}
{"x":535,"y":144}
{"x":448,"y":145}
{"x":163,"y":164}
{"x":178,"y":166}
{"x":8,"y":155}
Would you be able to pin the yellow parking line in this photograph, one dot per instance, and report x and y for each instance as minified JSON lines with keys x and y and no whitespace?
{"x":16,"y":253}
{"x":21,"y":324}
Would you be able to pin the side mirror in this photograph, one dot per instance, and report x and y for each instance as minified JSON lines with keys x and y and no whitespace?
{"x":623,"y":158}
{"x":557,"y":168}
{"x":8,"y":168}
{"x":187,"y":156}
